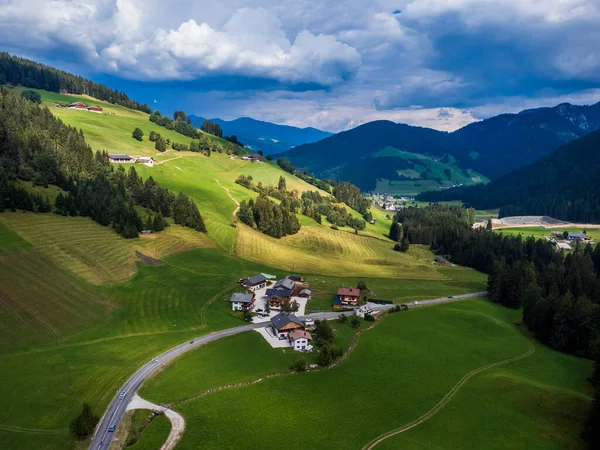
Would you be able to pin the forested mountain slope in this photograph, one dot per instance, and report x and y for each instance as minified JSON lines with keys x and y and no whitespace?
{"x":564,"y":184}
{"x":492,"y":147}
{"x":266,"y":136}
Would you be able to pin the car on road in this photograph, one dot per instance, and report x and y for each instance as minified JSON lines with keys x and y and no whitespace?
{"x":122,"y":394}
{"x":155,"y":360}
{"x":192,"y":341}
{"x":112,"y":428}
{"x":415,"y":303}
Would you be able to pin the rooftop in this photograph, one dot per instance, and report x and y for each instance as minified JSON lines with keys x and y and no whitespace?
{"x":349,"y":292}
{"x":279,"y":293}
{"x":118,"y":156}
{"x":256,"y":279}
{"x":299,"y":334}
{"x":282,"y":319}
{"x":285,"y":283}
{"x":241,"y":298}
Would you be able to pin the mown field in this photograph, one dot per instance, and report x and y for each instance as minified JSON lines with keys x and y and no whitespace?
{"x":399,"y":371}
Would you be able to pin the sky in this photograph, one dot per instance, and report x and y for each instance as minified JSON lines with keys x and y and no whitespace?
{"x":329,"y":64}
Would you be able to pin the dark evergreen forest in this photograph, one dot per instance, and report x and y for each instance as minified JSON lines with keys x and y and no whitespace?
{"x":20,"y":71}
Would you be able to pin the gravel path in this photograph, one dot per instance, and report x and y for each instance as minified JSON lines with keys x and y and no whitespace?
{"x":177,"y":421}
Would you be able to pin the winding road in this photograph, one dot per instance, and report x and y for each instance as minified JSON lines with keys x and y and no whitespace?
{"x":118,"y":406}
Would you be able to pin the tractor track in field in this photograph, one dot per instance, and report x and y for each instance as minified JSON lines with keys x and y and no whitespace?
{"x":235,"y":211}
{"x":446,"y":399}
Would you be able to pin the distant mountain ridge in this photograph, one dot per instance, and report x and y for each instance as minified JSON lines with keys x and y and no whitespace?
{"x":266,"y":136}
{"x":493,"y":147}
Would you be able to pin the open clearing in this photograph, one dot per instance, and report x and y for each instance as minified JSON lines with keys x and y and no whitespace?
{"x":398,"y":371}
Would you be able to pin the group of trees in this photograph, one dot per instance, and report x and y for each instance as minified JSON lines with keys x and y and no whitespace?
{"x":212,"y":128}
{"x":311,"y":179}
{"x":268,"y":217}
{"x":20,"y":71}
{"x":349,"y":194}
{"x":37,"y":147}
{"x":286,"y":165}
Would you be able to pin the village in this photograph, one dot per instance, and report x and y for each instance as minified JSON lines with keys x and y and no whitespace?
{"x":389,"y":202}
{"x":281,"y":306}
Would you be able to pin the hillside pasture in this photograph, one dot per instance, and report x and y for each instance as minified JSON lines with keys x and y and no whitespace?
{"x":399,"y":371}
{"x":93,"y":252}
{"x":541,"y":232}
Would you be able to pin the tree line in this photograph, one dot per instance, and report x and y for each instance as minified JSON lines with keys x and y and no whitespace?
{"x":37,"y":147}
{"x":268,"y":217}
{"x":20,"y":71}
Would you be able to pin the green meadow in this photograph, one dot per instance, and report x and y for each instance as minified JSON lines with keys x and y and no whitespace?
{"x":541,"y":232}
{"x":399,"y":371}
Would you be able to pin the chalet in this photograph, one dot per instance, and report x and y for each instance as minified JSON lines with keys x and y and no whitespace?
{"x":364,"y":310}
{"x":284,"y":323}
{"x":372,"y":221}
{"x":305,"y":293}
{"x":255,"y":157}
{"x":255,"y":283}
{"x":295,"y":277}
{"x":78,"y":105}
{"x":147,"y":160}
{"x":300,"y":340}
{"x":117,"y":158}
{"x":95,"y":109}
{"x":285,"y":284}
{"x":242,"y":302}
{"x":349,"y":296}
{"x":277,"y":297}
{"x":577,"y":237}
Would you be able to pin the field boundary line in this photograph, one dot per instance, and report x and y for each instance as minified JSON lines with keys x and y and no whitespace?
{"x":31,"y":430}
{"x":446,"y":399}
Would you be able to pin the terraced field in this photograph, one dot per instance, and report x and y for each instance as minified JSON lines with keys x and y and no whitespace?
{"x":94,"y":252}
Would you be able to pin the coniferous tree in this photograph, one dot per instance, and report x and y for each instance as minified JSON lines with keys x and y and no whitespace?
{"x":137,"y":134}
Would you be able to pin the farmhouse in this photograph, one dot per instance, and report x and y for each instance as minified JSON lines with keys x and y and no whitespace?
{"x":147,"y":160}
{"x":255,"y":157}
{"x":118,"y":158}
{"x":349,"y":296}
{"x":577,"y":237}
{"x":95,"y":109}
{"x":285,"y":284}
{"x":255,"y":283}
{"x":78,"y":105}
{"x":300,"y":340}
{"x":276,"y":297}
{"x":284,"y":323}
{"x":295,"y":277}
{"x":241,"y":302}
{"x":363,"y":311}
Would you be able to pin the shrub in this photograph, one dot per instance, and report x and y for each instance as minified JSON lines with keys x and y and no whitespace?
{"x":247,"y":316}
{"x":355,"y":322}
{"x":300,"y":364}
{"x":343,"y":318}
{"x":324,"y":358}
{"x":84,"y":424}
{"x":32,"y":96}
{"x":137,"y":134}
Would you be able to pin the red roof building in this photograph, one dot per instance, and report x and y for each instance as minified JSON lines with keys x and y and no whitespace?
{"x":349,"y":296}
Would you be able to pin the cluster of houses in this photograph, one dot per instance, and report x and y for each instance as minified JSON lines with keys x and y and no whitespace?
{"x":287,"y":326}
{"x":389,"y":202}
{"x":563,"y":242}
{"x":126,"y":159}
{"x":275,"y":295}
{"x":83,"y":107}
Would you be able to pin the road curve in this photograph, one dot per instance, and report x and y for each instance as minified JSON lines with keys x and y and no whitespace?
{"x":118,"y":406}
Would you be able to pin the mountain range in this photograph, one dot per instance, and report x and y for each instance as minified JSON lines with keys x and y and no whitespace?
{"x":492,"y":147}
{"x":266,"y":136}
{"x":563,"y":184}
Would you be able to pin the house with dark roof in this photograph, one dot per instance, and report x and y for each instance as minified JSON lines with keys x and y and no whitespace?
{"x":242,"y":302}
{"x":349,"y":296}
{"x":255,"y":283}
{"x":285,"y":284}
{"x":285,"y":323}
{"x":255,"y":157}
{"x":301,"y":340}
{"x":277,"y":297}
{"x":305,"y":293}
{"x":577,"y":237}
{"x":119,"y":158}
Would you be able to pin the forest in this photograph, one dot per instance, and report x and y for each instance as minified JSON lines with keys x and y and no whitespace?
{"x":37,"y":147}
{"x":563,"y":185}
{"x":20,"y":71}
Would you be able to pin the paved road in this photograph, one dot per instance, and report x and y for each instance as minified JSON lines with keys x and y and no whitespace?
{"x":103,"y":438}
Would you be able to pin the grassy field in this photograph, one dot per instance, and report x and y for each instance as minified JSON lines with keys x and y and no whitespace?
{"x":416,"y":184}
{"x":143,"y":435}
{"x":399,"y":371}
{"x":94,"y":252}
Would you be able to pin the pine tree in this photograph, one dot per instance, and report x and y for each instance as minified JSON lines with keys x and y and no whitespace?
{"x":158,"y":223}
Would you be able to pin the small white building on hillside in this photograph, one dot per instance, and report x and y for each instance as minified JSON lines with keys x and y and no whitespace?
{"x":301,"y":340}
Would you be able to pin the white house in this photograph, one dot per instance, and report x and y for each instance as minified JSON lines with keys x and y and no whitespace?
{"x":242,"y":302}
{"x":255,"y":283}
{"x":364,"y":310}
{"x":147,"y":160}
{"x":301,"y":340}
